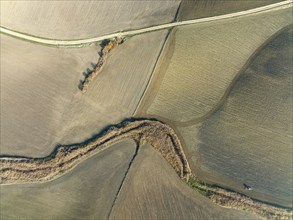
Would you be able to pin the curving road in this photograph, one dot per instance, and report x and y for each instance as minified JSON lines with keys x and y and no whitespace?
{"x":77,"y":43}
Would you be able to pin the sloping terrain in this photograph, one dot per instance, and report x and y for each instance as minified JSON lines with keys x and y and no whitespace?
{"x":86,"y":192}
{"x":37,"y":84}
{"x":41,"y":104}
{"x":224,"y":86}
{"x":207,"y":8}
{"x":205,"y":61}
{"x":84,"y":19}
{"x":161,"y":137}
{"x":152,"y":190}
{"x":65,"y":157}
{"x":249,"y":140}
{"x":116,"y":91}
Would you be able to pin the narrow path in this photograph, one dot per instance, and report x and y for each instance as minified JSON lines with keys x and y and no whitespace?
{"x":83,"y":42}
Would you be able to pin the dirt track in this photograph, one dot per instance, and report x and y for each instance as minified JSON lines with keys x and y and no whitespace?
{"x":77,"y":43}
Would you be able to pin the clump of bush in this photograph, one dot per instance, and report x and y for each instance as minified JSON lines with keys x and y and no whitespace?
{"x":199,"y":186}
{"x":107,"y":46}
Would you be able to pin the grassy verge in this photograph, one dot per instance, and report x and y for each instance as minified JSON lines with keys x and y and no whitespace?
{"x":230,"y":199}
{"x":199,"y":186}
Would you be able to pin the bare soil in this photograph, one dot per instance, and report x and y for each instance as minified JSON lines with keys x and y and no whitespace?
{"x":84,"y":19}
{"x":160,"y":136}
{"x":86,"y":192}
{"x":207,"y":8}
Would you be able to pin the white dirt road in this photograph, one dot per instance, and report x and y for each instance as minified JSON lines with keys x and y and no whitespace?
{"x":82,"y":42}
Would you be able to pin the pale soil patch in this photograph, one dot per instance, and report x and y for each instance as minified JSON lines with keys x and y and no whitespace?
{"x":249,"y":140}
{"x":37,"y":84}
{"x":208,"y":8}
{"x":206,"y":59}
{"x":41,"y":104}
{"x":159,"y":136}
{"x":64,"y":158}
{"x":116,"y":91}
{"x":87,"y":192}
{"x":84,"y":19}
{"x":152,"y":190}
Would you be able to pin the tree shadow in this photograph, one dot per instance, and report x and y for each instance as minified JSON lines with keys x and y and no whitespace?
{"x":93,"y":65}
{"x":80,"y":84}
{"x":104,"y":43}
{"x":86,"y":74}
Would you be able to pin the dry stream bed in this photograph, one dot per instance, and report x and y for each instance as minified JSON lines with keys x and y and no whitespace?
{"x":161,"y":137}
{"x":17,"y":170}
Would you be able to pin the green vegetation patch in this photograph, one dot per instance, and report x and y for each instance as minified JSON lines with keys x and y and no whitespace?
{"x":200,"y":187}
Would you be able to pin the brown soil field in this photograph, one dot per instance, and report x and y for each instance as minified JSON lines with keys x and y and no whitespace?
{"x":205,"y":61}
{"x":249,"y":139}
{"x":66,"y":157}
{"x":37,"y":84}
{"x":87,"y":192}
{"x":225,"y":88}
{"x":84,"y":19}
{"x":42,"y":105}
{"x":207,"y":8}
{"x":152,"y":190}
{"x":116,"y":91}
{"x":161,"y":137}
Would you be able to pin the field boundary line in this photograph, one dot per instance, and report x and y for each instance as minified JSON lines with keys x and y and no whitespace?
{"x":163,"y":47}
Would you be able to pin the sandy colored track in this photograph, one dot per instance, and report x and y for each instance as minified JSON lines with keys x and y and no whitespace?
{"x":161,"y":136}
{"x":74,"y":43}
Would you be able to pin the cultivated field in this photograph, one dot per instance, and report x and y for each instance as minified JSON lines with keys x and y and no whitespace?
{"x":80,"y":19}
{"x":37,"y":84}
{"x":249,"y":140}
{"x":152,"y":190}
{"x":207,"y":8}
{"x":86,"y":192}
{"x":206,"y":59}
{"x":64,"y":158}
{"x":221,"y":93}
{"x":115,"y":92}
{"x":41,"y":105}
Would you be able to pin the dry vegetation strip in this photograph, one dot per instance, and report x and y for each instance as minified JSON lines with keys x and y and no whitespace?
{"x":238,"y":201}
{"x":159,"y":135}
{"x":106,"y":48}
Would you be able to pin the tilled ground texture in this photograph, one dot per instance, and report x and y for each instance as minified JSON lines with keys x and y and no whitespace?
{"x":159,"y":135}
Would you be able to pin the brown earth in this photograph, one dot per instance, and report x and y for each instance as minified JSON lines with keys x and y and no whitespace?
{"x":86,"y":192}
{"x":152,"y":190}
{"x":207,"y":8}
{"x":158,"y":135}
